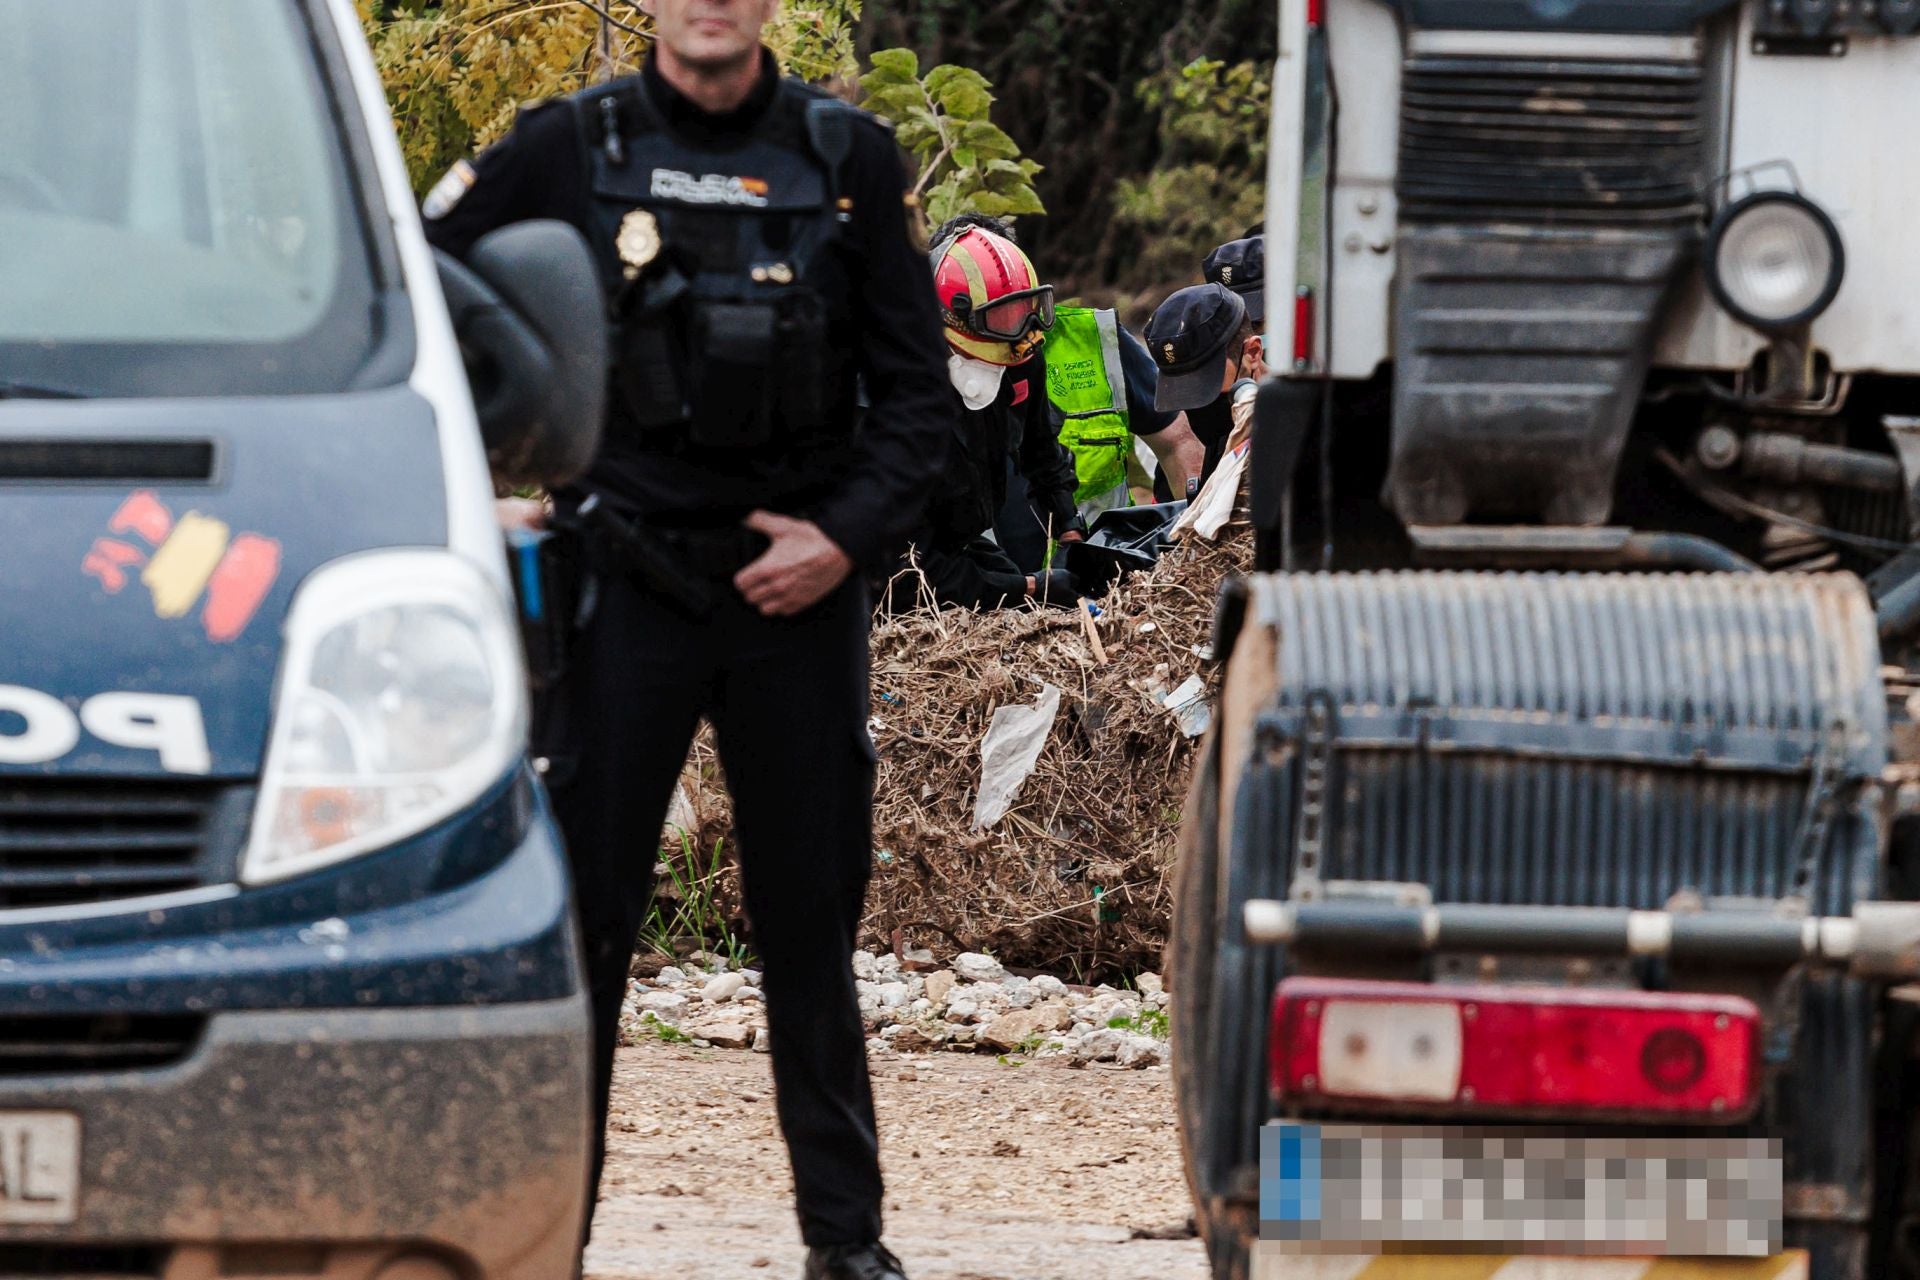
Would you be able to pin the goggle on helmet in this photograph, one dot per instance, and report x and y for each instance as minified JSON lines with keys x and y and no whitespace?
{"x":991,"y":299}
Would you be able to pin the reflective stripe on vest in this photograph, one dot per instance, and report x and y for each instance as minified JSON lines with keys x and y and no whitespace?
{"x":1086,"y":384}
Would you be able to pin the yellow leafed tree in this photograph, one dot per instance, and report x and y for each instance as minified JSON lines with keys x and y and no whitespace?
{"x":456,"y":71}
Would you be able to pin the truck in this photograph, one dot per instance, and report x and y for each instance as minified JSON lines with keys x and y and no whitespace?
{"x":289,"y":981}
{"x":1547,"y":890}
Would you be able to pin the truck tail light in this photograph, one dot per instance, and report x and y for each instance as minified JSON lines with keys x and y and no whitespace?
{"x":1303,"y":320}
{"x":1489,"y":1048}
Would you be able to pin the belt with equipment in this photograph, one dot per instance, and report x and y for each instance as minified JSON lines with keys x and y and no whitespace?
{"x":690,"y":567}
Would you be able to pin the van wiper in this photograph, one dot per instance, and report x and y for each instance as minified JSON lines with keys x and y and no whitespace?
{"x":13,"y":390}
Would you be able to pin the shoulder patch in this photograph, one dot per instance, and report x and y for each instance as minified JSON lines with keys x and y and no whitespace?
{"x":449,"y":191}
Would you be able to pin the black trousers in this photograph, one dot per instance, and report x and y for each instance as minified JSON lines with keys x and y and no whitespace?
{"x":788,"y":699}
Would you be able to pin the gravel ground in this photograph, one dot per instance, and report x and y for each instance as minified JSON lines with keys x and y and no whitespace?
{"x":1040,"y":1171}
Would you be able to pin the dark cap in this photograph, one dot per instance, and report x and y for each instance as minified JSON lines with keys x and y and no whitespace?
{"x":1188,"y":337}
{"x":1241,"y":265}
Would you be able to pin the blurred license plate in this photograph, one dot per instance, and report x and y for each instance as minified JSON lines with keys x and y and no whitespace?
{"x":1360,"y":1188}
{"x":39,"y":1167}
{"x":1270,"y":1262}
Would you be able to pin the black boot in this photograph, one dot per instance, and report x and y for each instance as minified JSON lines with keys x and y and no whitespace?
{"x":853,"y":1262}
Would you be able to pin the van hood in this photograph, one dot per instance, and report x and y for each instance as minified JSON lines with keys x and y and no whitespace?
{"x":152,"y":549}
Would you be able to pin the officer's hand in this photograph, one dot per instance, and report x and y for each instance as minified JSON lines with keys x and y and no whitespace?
{"x":797,"y":572}
{"x":520,"y":513}
{"x":1072,"y":535}
{"x":1055,"y":587}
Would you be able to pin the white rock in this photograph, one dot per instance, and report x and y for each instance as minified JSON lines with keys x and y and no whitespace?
{"x":863,"y":967}
{"x":893,"y":995}
{"x":723,"y":988}
{"x":887,"y":966}
{"x":975,"y":967}
{"x":748,"y":995}
{"x":921,"y":1006}
{"x":1083,"y":1028}
{"x":724,"y":1034}
{"x":1048,"y":985}
{"x":752,"y":976}
{"x":666,"y":1005}
{"x":960,"y":1010}
{"x":671,"y":976}
{"x":1150,"y":984}
{"x":940,"y":986}
{"x":1124,"y":1047}
{"x":869,"y":1007}
{"x":1103,"y":1009}
{"x":889,"y":1031}
{"x":762,"y":1040}
{"x":865,"y":987}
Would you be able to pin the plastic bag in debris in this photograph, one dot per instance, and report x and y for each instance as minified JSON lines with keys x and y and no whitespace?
{"x":1121,"y":541}
{"x":1188,"y":706}
{"x":1009,"y":752}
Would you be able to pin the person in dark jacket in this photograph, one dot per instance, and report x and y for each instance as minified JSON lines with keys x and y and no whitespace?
{"x":997,"y":313}
{"x":753,"y":241}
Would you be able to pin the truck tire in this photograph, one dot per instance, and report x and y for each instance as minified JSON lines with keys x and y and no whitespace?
{"x":1227,"y":1228}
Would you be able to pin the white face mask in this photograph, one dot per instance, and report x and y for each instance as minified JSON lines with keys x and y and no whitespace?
{"x":977,"y":381}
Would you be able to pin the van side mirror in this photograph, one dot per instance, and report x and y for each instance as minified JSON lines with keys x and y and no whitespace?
{"x":531,"y":319}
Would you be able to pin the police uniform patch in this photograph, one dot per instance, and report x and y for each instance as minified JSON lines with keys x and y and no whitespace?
{"x":1226,"y":274}
{"x":449,"y":191}
{"x":639,"y":240}
{"x":1169,"y":352}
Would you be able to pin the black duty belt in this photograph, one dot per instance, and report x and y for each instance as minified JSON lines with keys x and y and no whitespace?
{"x":690,"y":567}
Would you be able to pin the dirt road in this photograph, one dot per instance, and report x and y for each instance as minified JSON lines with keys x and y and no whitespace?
{"x":994,"y":1172}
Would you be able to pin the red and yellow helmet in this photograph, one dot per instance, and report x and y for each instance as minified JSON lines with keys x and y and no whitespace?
{"x":991,"y":298}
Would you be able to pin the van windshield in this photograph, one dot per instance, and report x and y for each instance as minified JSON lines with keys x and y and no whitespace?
{"x":175,"y":211}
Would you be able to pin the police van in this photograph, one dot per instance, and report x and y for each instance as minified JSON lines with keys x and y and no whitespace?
{"x":289,"y":984}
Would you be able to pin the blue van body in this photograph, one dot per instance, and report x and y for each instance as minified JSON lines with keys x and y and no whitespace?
{"x":376,"y":1065}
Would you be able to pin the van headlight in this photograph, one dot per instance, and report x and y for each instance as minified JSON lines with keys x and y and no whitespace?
{"x":402,"y":700}
{"x":1774,"y":260}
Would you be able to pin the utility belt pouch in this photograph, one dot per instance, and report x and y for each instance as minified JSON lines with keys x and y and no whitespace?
{"x":651,"y":381}
{"x":734,"y":345}
{"x":806,"y":393}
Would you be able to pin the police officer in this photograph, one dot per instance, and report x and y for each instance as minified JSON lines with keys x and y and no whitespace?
{"x":755,"y":251}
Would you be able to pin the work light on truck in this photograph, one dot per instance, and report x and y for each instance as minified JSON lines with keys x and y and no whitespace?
{"x":1774,"y":260}
{"x":1513,"y":1050}
{"x":401,"y":701}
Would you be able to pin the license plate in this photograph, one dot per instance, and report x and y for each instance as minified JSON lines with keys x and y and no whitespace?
{"x":39,"y":1167}
{"x":1270,"y":1262}
{"x":1359,"y":1188}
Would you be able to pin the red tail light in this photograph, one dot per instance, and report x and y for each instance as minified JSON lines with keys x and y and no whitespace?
{"x":1485,"y":1049}
{"x":1302,"y":329}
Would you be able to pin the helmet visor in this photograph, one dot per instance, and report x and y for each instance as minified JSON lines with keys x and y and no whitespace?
{"x":1013,"y":317}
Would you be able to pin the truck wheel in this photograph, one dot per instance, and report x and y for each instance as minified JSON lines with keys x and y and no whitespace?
{"x":1228,"y":1228}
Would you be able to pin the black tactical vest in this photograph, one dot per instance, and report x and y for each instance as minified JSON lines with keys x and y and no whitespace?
{"x":730,"y":297}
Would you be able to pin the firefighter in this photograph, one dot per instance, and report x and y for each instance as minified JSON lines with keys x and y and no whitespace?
{"x":997,"y":314}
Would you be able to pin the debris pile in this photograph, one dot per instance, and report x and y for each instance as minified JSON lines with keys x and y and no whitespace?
{"x":972,"y":1006}
{"x":1056,"y":854}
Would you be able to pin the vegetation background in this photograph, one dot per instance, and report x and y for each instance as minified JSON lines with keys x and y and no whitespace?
{"x":1127,"y":137}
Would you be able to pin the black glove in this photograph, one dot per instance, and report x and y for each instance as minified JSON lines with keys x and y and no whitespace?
{"x":1056,"y":587}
